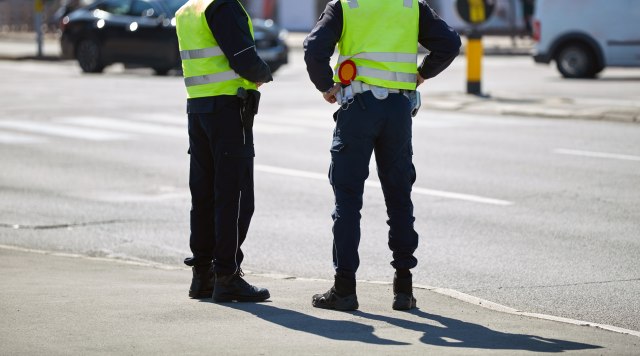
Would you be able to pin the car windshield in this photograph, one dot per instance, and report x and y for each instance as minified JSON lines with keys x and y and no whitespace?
{"x":174,"y":5}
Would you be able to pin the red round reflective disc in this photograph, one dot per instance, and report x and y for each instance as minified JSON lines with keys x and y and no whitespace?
{"x":347,"y":72}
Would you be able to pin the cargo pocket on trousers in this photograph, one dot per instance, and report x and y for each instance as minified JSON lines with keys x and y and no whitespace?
{"x":237,"y":151}
{"x":235,"y":165}
{"x":336,"y":146}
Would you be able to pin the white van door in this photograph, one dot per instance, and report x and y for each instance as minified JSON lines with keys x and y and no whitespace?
{"x":622,"y":39}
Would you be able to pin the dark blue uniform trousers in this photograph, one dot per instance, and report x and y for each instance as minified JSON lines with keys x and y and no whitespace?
{"x":221,"y":184}
{"x":383,"y":126}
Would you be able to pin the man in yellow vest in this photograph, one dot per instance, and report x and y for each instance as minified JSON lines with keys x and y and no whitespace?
{"x":374,"y":81}
{"x":222,"y":71}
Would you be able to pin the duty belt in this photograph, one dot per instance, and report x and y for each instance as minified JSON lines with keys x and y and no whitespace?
{"x":358,"y":87}
{"x":346,"y":95}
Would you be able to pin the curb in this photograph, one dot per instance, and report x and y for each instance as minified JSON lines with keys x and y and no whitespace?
{"x":442,"y":291}
{"x":557,"y":108}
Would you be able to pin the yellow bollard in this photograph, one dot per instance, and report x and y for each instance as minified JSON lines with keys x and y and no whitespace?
{"x":474,"y":63}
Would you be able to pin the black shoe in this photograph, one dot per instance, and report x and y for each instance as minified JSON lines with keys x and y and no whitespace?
{"x":229,"y":288}
{"x":403,"y":293}
{"x":342,"y":296}
{"x":202,"y":282}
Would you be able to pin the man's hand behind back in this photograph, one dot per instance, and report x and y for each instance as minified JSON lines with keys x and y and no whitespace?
{"x":330,"y":95}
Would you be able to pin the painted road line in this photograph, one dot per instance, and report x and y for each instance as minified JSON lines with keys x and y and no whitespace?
{"x":564,"y":151}
{"x":62,"y":130}
{"x":416,"y":190}
{"x":17,"y":138}
{"x":290,"y":172}
{"x":128,"y":126}
{"x":298,"y":118}
{"x":162,"y":128}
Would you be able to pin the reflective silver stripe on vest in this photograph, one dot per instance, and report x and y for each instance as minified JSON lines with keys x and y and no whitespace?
{"x":201,"y":53}
{"x":386,"y":75}
{"x":384,"y":57}
{"x":210,"y":78}
{"x":353,"y":4}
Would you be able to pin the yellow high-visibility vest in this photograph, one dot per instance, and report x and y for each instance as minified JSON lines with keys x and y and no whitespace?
{"x":205,"y":68}
{"x":381,"y":38}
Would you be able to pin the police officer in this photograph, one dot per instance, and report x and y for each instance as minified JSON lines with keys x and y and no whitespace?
{"x":219,"y":59}
{"x":378,"y":43}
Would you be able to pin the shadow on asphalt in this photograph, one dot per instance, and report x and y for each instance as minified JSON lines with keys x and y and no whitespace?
{"x":461,"y":334}
{"x":331,"y":329}
{"x":452,"y":333}
{"x":31,"y":58}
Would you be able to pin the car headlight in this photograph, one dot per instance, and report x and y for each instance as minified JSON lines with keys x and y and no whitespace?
{"x":283,"y":34}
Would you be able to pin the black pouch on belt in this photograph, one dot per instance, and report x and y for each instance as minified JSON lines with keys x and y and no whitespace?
{"x":250,"y":103}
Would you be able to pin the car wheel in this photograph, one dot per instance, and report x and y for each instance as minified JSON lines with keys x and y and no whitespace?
{"x":88,"y":55}
{"x":161,"y":71}
{"x":576,"y":61}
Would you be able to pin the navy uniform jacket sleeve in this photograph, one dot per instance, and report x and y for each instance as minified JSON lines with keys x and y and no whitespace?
{"x":229,"y":25}
{"x":434,"y":34}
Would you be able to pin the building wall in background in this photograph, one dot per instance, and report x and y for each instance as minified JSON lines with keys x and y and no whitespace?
{"x":297,"y":15}
{"x":301,"y":15}
{"x":294,"y":15}
{"x":17,"y":15}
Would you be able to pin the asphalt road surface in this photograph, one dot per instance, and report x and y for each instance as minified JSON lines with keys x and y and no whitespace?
{"x":536,"y":214}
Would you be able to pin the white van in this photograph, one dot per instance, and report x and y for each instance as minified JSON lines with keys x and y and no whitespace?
{"x":585,"y":36}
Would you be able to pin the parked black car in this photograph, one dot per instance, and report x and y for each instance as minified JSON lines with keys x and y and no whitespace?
{"x":143,"y":33}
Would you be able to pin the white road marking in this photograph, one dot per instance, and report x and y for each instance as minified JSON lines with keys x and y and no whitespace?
{"x":62,"y":131}
{"x":427,"y":119}
{"x":128,"y":126}
{"x":169,"y":119}
{"x":17,"y":138}
{"x":416,"y":190}
{"x":564,"y":151}
{"x":164,"y":128}
{"x":105,"y":129}
{"x":290,"y":172}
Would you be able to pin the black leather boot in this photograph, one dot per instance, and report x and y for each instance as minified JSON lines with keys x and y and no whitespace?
{"x":202,"y":282}
{"x":403,"y":292}
{"x":342,"y":296}
{"x":232,"y":287}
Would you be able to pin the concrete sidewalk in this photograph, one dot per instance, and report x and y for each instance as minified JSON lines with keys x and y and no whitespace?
{"x":56,"y":304}
{"x":23,"y":45}
{"x":548,"y":107}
